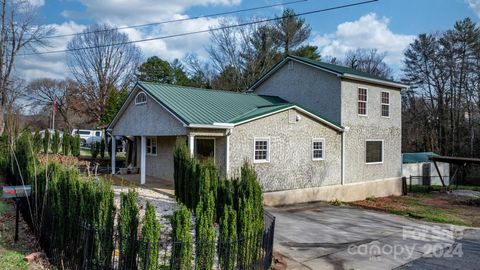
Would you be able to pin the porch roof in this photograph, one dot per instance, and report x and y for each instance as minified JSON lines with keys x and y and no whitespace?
{"x":197,"y":106}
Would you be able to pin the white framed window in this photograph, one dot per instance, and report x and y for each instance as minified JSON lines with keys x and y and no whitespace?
{"x":152,"y":146}
{"x":140,"y":98}
{"x":385,"y":101}
{"x":318,"y":149}
{"x":362,"y":101}
{"x":261,"y":150}
{"x":374,"y":151}
{"x":292,"y":117}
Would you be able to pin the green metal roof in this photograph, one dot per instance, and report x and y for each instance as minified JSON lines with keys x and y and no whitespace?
{"x":206,"y":107}
{"x":342,"y":70}
{"x":417,"y":157}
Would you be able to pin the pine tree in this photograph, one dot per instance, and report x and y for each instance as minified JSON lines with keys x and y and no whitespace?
{"x":148,"y":253}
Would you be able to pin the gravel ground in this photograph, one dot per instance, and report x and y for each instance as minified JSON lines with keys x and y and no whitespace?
{"x":164,"y":205}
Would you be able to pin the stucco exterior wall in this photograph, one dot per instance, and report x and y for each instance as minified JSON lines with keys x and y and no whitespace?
{"x":160,"y":165}
{"x":370,"y":127}
{"x":291,"y":165}
{"x":315,"y":90}
{"x":148,"y":119}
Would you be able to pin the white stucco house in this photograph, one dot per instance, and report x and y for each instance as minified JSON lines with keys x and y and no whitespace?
{"x":313,"y":131}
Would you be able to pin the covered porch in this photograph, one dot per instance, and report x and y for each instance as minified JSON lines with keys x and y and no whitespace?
{"x":151,"y":157}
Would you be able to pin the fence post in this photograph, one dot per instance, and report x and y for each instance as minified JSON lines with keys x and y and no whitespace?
{"x":404,"y":185}
{"x":410,"y":188}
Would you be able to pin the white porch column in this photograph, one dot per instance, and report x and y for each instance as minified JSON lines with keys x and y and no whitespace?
{"x":191,"y":141}
{"x":114,"y":149}
{"x":143,"y":157}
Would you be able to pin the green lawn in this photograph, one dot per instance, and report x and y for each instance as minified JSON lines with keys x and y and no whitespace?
{"x":86,"y":153}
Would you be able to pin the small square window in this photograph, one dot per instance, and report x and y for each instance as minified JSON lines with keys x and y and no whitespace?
{"x":262,"y":150}
{"x":318,"y":148}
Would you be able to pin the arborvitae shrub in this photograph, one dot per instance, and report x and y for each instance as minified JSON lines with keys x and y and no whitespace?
{"x":148,"y":255}
{"x":75,"y":145}
{"x":181,"y":258}
{"x":4,"y":153}
{"x":95,"y":149}
{"x":25,"y":159}
{"x":46,"y":141}
{"x":56,"y":142}
{"x":102,"y":148}
{"x":37,"y":141}
{"x":104,"y":220}
{"x":205,"y":235}
{"x":227,"y":239}
{"x":66,"y":144}
{"x":127,"y":229}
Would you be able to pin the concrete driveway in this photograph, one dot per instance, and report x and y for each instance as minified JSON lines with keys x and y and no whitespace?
{"x":322,"y":236}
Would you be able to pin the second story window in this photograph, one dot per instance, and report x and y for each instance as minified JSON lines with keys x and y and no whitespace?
{"x":385,"y":99}
{"x":362,"y":101}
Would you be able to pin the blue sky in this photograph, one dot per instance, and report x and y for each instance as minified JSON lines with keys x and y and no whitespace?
{"x":388,"y":25}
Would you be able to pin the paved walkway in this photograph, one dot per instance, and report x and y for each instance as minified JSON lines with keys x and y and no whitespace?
{"x":321,"y":236}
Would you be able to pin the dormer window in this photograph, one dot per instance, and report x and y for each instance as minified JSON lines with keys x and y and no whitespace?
{"x":141,"y":98}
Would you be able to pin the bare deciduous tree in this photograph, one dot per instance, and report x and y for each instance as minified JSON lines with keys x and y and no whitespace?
{"x":44,"y":92}
{"x":101,"y":60}
{"x":368,"y":60}
{"x":18,"y":31}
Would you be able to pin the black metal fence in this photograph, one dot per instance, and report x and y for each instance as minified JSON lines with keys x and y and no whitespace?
{"x":424,"y":183}
{"x":82,"y":246}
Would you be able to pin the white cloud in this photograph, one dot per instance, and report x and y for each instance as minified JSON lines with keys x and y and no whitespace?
{"x":475,"y":5}
{"x":177,"y":47}
{"x":48,"y":65}
{"x":130,"y":12}
{"x":36,"y":3}
{"x":369,"y":32}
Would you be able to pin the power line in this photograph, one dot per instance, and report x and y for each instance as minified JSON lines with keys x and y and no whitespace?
{"x":204,"y":31}
{"x":179,"y":20}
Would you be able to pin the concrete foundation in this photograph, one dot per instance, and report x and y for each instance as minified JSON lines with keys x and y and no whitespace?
{"x":347,"y":193}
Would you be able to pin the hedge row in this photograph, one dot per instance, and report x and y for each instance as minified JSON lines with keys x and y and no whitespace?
{"x":64,"y":203}
{"x":68,"y":144}
{"x":236,"y":204}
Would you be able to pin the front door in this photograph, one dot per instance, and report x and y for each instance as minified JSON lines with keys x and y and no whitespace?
{"x":205,"y":148}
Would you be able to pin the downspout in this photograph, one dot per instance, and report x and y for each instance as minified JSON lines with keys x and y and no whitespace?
{"x":342,"y":182}
{"x":227,"y":152}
